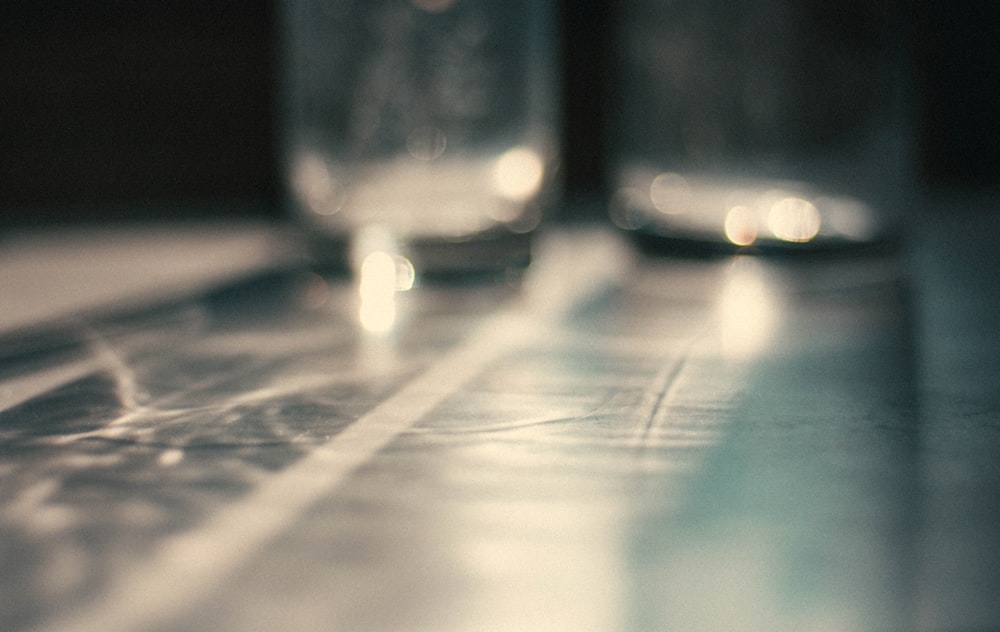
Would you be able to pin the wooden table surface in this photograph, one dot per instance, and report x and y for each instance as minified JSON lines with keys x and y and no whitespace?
{"x":200,"y":432}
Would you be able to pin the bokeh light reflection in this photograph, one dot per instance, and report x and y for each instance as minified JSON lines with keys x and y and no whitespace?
{"x":747,"y":310}
{"x":794,"y":219}
{"x":314,"y":186}
{"x":741,"y":226}
{"x":381,"y":272}
{"x":381,"y":275}
{"x":426,"y":143}
{"x":670,"y":193}
{"x":518,"y":174}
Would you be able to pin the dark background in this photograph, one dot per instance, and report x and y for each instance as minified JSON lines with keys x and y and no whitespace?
{"x":119,"y":109}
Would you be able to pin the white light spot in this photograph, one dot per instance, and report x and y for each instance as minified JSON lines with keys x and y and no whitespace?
{"x":741,"y":226}
{"x":518,"y":174}
{"x":381,"y":275}
{"x":794,"y":219}
{"x":747,"y":310}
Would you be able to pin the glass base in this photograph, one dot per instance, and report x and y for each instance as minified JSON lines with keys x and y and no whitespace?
{"x":696,"y":214}
{"x":493,"y":253}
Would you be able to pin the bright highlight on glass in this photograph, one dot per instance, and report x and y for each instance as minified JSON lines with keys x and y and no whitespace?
{"x":740,"y":211}
{"x":741,"y":226}
{"x":518,"y":174}
{"x":794,"y":219}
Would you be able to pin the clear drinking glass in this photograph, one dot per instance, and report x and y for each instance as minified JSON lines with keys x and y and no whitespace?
{"x":427,"y":126}
{"x":771,"y":124}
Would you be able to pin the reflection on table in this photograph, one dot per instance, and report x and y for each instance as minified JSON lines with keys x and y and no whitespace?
{"x":604,"y":442}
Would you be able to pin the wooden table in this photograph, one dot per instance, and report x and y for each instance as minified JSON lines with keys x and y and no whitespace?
{"x":199,"y":431}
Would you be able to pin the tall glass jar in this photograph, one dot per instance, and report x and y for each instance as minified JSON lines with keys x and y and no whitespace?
{"x":771,"y":124}
{"x":429,"y":123}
